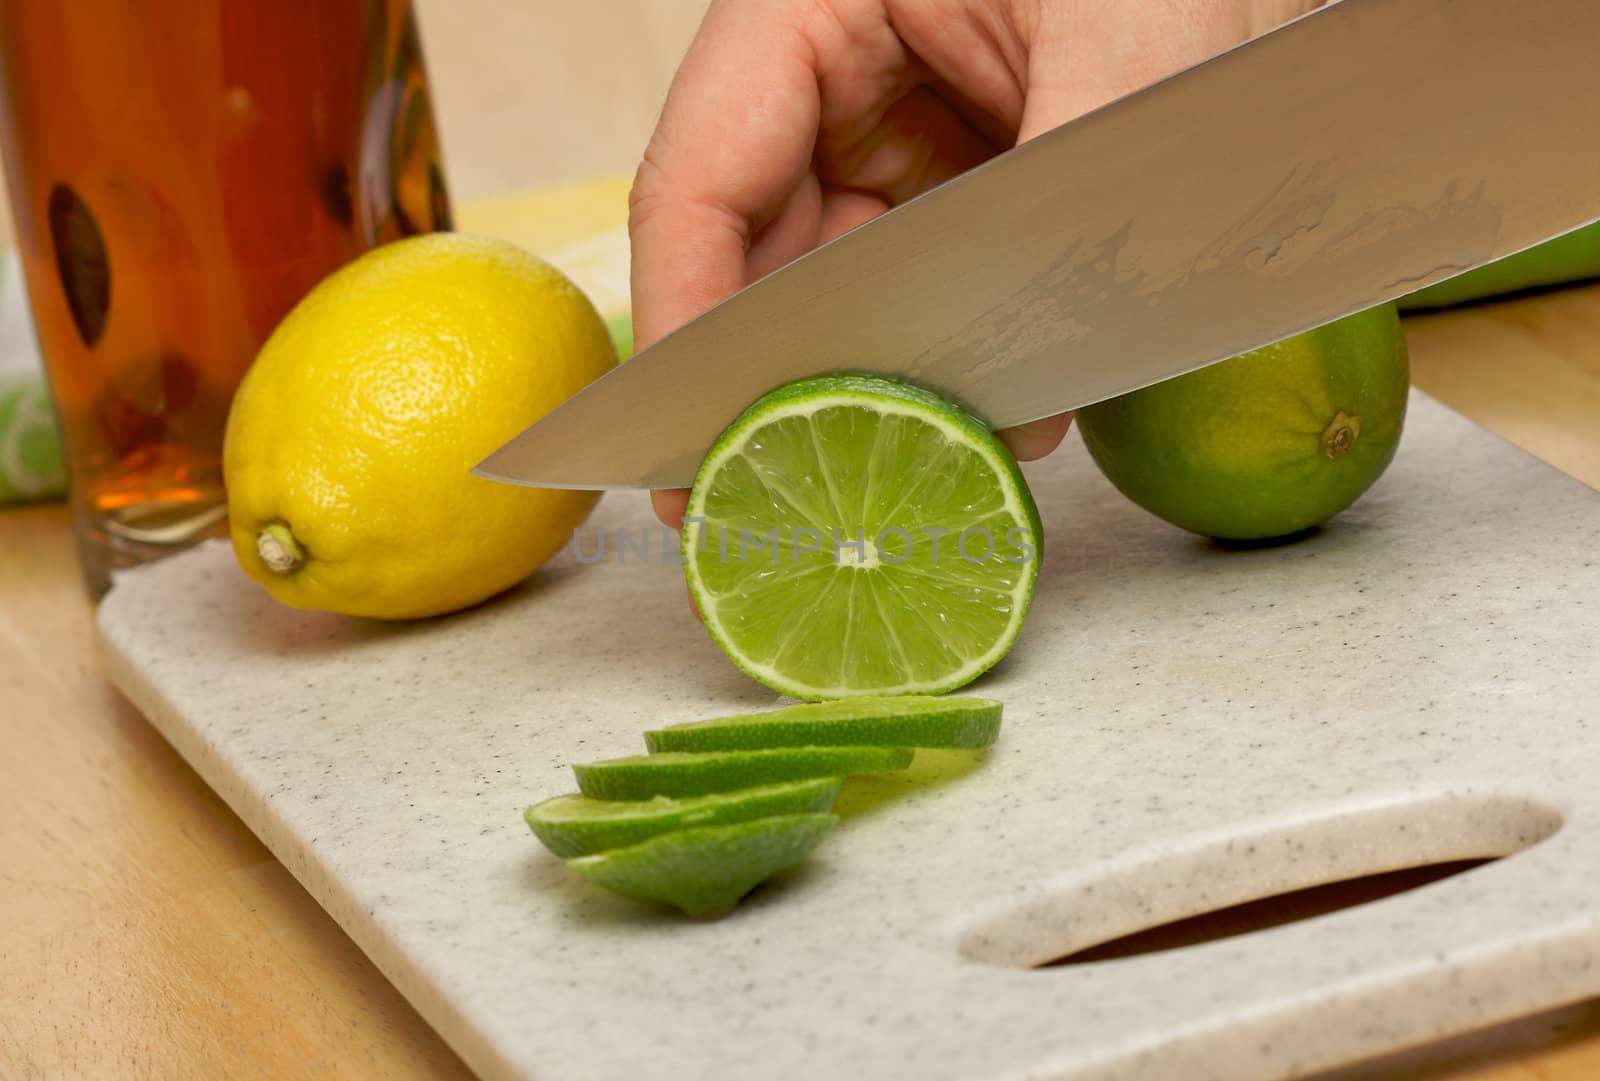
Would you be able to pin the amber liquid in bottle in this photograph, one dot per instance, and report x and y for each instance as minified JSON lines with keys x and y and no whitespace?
{"x":181,"y":173}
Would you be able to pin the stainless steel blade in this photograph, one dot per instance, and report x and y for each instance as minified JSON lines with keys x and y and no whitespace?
{"x":1343,"y":160}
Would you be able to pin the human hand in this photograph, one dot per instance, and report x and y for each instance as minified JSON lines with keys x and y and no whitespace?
{"x":792,"y":121}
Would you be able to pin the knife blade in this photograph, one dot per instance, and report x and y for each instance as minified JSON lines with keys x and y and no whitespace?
{"x":1342,"y":160}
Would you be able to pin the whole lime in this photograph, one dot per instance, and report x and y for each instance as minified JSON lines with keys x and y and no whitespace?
{"x":1267,"y":444}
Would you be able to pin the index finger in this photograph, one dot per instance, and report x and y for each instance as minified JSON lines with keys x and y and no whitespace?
{"x":734,"y":140}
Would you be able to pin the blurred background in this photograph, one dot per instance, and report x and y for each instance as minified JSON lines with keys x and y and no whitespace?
{"x":520,"y":99}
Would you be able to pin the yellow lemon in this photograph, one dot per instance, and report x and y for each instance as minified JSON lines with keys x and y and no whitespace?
{"x":351,"y":438}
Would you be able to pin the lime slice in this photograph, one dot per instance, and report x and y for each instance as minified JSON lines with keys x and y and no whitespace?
{"x":706,"y":870}
{"x":850,"y":535}
{"x":577,"y":825}
{"x":900,"y":721}
{"x":643,"y":777}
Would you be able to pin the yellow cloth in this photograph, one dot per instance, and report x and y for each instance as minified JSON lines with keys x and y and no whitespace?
{"x":581,"y":228}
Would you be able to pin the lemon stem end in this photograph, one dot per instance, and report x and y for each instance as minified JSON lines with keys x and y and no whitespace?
{"x":278,"y":549}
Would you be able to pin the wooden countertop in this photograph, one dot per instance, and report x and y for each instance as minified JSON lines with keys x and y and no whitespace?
{"x":145,"y":932}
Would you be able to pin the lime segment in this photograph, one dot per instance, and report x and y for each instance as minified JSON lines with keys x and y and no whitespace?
{"x":851,"y":535}
{"x":578,"y":826}
{"x":706,"y":870}
{"x":643,"y":777}
{"x":899,"y":721}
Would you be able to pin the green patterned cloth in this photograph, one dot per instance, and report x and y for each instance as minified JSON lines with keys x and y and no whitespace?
{"x":30,"y":443}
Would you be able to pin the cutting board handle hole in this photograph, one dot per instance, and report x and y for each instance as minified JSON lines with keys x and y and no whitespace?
{"x":1253,"y":879}
{"x":1267,"y":912}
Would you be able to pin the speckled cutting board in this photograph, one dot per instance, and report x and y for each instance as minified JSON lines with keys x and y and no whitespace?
{"x":1185,"y":727}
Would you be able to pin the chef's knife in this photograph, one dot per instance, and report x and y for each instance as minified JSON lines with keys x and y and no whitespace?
{"x":1342,"y":160}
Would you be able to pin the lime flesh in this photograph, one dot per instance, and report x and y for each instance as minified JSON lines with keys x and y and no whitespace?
{"x":642,"y":777}
{"x":706,"y":870}
{"x":851,"y":535}
{"x":899,"y":721}
{"x":579,"y":826}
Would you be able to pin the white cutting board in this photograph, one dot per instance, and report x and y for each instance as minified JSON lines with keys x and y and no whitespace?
{"x":1185,"y":727}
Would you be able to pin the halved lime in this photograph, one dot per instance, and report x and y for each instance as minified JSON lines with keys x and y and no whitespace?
{"x":852,"y":535}
{"x":706,"y":870}
{"x":577,"y":825}
{"x":642,"y":777}
{"x":898,"y":721}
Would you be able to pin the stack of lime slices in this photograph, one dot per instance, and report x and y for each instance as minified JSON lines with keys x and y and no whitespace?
{"x":852,"y":535}
{"x":851,"y":540}
{"x":720,"y":806}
